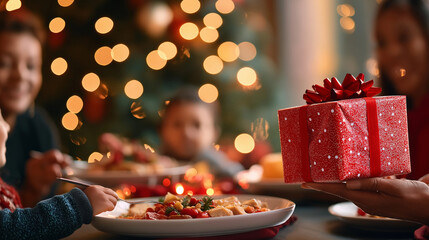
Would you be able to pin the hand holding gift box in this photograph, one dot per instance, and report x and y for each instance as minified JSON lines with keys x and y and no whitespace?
{"x":345,"y":134}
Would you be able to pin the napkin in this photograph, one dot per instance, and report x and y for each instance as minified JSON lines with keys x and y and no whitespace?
{"x":255,"y":235}
{"x":422,"y":233}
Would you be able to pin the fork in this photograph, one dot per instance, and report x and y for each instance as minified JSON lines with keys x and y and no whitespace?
{"x":85,"y":185}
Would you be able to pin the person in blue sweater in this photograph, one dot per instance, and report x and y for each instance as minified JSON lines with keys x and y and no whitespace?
{"x":52,"y":218}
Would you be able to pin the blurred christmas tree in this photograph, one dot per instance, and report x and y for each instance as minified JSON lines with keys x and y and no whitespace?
{"x":96,"y":48}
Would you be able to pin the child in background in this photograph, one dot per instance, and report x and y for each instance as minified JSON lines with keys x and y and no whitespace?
{"x":53,"y":218}
{"x":188,"y":130}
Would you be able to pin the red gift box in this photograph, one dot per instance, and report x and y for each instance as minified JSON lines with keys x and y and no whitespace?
{"x":345,"y":139}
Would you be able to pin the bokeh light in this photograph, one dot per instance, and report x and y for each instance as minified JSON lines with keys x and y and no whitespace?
{"x":103,"y":56}
{"x":372,"y":67}
{"x":133,"y":89}
{"x":74,"y":104}
{"x":213,"y":64}
{"x":120,"y":52}
{"x":189,"y":31}
{"x":59,"y":66}
{"x":65,"y":3}
{"x":77,"y":139}
{"x":95,"y":156}
{"x":90,"y":82}
{"x":208,"y":93}
{"x":210,"y":191}
{"x":70,"y":121}
{"x":228,"y":51}
{"x":57,"y":24}
{"x":137,"y":110}
{"x":247,"y":51}
{"x":155,"y":61}
{"x":209,"y":34}
{"x":13,"y":5}
{"x":104,"y":25}
{"x":190,"y":6}
{"x":246,"y":76}
{"x":179,"y":188}
{"x":345,"y":10}
{"x":225,"y":6}
{"x":213,"y":20}
{"x":347,"y":24}
{"x":244,"y":143}
{"x":169,"y":50}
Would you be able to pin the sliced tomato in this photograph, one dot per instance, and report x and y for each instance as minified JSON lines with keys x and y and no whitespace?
{"x":193,"y":201}
{"x":203,"y":215}
{"x":193,"y":212}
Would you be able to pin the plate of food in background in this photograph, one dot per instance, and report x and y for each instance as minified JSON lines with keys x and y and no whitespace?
{"x":351,"y":214}
{"x":266,"y":178}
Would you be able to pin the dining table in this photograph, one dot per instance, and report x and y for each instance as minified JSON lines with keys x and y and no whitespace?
{"x":313,"y":222}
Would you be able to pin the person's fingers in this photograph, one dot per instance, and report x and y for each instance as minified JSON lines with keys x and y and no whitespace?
{"x":393,"y":187}
{"x":110,"y":192}
{"x":341,"y":190}
{"x":425,"y":179}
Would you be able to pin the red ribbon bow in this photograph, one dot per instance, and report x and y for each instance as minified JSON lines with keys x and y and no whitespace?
{"x":333,"y":90}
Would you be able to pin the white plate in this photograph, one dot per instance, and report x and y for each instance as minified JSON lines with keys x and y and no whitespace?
{"x":115,"y":178}
{"x":347,"y":211}
{"x":281,"y":210}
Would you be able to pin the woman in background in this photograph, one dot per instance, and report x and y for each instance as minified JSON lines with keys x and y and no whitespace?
{"x":402,"y":37}
{"x":33,"y":162}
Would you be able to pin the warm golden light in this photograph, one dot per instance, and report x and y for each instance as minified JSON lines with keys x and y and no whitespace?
{"x":104,"y":25}
{"x":213,"y":64}
{"x":155,"y":61}
{"x":190,"y":6}
{"x":345,"y":10}
{"x":102,"y":91}
{"x":103,"y":56}
{"x":70,"y":121}
{"x":137,"y":110}
{"x":95,"y":156}
{"x":247,"y":51}
{"x":259,"y":129}
{"x":120,"y":52}
{"x":189,"y":31}
{"x":57,"y":24}
{"x":228,"y":51}
{"x":347,"y":24}
{"x":59,"y":66}
{"x":208,"y":93}
{"x":90,"y":82}
{"x":244,"y":143}
{"x":246,"y":76}
{"x":133,"y":89}
{"x":372,"y":67}
{"x":213,"y":20}
{"x":13,"y":5}
{"x":210,"y":191}
{"x":169,"y":50}
{"x":225,"y":6}
{"x":209,"y":34}
{"x":65,"y":3}
{"x":403,"y":72}
{"x":179,"y":188}
{"x":74,"y":104}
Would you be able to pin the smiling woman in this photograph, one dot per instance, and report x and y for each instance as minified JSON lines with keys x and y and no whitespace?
{"x":21,"y":38}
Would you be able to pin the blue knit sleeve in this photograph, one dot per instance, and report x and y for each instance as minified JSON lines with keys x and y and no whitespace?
{"x":52,"y":218}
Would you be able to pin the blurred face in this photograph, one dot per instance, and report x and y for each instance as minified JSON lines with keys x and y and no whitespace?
{"x":402,"y":45}
{"x":20,"y":71}
{"x":4,"y":129}
{"x":188,"y":128}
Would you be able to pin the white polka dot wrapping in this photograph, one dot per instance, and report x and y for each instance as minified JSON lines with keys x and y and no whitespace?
{"x":338,"y":140}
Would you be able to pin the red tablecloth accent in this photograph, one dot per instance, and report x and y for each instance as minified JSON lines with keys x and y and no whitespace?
{"x":254,"y":235}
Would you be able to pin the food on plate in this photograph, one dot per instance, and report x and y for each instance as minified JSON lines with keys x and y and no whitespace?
{"x":362,"y":213}
{"x":189,"y":207}
{"x":272,"y":165}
